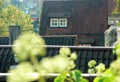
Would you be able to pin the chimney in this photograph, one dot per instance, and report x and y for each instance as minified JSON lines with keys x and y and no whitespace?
{"x":14,"y":32}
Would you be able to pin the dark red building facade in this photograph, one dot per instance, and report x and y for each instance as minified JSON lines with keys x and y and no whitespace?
{"x":88,"y":19}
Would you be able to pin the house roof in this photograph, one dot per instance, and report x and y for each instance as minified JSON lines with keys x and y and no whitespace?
{"x":85,"y":54}
{"x":68,"y":40}
{"x":4,"y":40}
{"x":6,"y":58}
{"x":59,"y":14}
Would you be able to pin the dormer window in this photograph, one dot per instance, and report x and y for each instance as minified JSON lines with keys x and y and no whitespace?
{"x":58,"y":22}
{"x":53,"y":22}
{"x":63,"y":22}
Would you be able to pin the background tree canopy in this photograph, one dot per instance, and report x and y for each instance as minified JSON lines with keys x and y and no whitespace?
{"x":10,"y":16}
{"x":116,"y":10}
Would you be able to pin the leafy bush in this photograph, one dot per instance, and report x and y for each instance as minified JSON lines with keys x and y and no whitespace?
{"x":29,"y":46}
{"x":112,"y":74}
{"x":93,"y":68}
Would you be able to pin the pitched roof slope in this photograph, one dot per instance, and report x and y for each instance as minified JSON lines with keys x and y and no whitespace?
{"x":85,"y":54}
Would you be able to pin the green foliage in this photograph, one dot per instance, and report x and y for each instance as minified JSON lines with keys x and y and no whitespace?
{"x":112,"y":74}
{"x":116,"y":10}
{"x":100,"y":68}
{"x":65,"y":51}
{"x":116,"y":49}
{"x":70,"y":76}
{"x":1,"y":5}
{"x":93,"y":68}
{"x":61,"y":78}
{"x":29,"y":46}
{"x":58,"y":63}
{"x":92,"y":63}
{"x":23,"y":73}
{"x":10,"y":16}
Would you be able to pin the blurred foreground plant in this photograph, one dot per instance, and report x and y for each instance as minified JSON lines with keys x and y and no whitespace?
{"x":112,"y":74}
{"x":70,"y":76}
{"x":27,"y":48}
{"x":94,"y":68}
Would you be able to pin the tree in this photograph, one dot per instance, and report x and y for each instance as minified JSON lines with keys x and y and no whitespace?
{"x":2,"y":23}
{"x":10,"y":16}
{"x":1,"y":1}
{"x":116,"y":10}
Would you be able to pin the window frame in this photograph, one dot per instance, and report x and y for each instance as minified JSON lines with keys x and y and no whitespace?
{"x":54,"y":22}
{"x":60,"y":22}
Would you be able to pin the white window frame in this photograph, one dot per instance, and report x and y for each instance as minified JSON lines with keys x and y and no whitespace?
{"x":62,"y":22}
{"x":54,"y":22}
{"x":58,"y":22}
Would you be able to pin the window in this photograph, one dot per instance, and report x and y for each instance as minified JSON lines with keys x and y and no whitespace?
{"x":58,"y":22}
{"x":63,"y":22}
{"x":54,"y":22}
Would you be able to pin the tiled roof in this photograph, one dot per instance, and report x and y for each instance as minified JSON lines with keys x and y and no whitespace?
{"x":4,"y":40}
{"x":6,"y":58}
{"x":68,"y":40}
{"x":85,"y":54}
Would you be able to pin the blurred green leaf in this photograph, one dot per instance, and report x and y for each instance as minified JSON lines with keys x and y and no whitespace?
{"x":61,"y":77}
{"x":76,"y":75}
